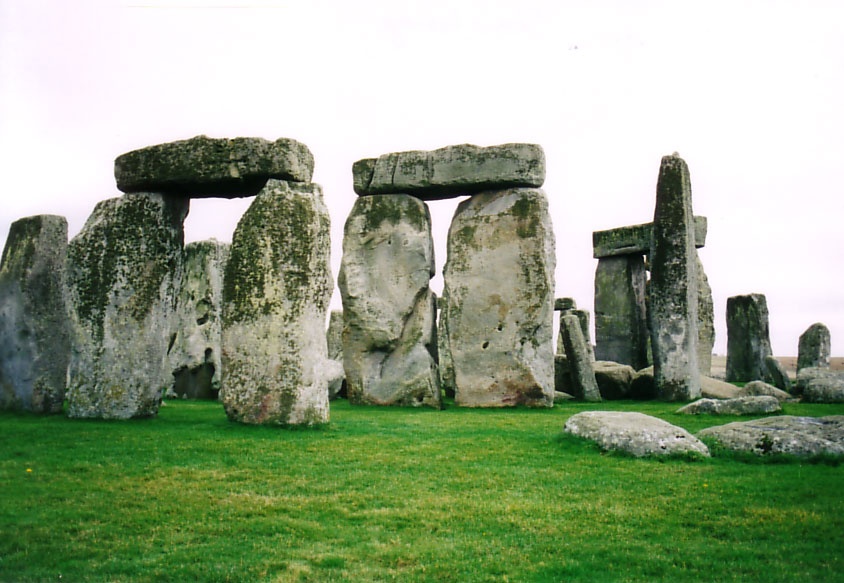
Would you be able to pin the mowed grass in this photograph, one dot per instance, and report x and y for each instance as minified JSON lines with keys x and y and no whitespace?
{"x":388,"y":494}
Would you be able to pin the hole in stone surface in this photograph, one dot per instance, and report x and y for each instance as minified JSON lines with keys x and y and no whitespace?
{"x":500,"y":327}
{"x":172,"y":342}
{"x":485,"y":345}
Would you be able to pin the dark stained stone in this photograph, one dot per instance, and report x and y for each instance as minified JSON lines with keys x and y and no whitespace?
{"x":636,"y":239}
{"x":748,"y":338}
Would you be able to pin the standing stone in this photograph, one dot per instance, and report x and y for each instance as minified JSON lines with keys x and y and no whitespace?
{"x":748,"y":338}
{"x":705,"y":321}
{"x":195,"y":354}
{"x":124,"y":271}
{"x":276,"y":289}
{"x":334,"y":337}
{"x":34,"y":334}
{"x":814,"y":347}
{"x":499,"y":300}
{"x":673,"y":285}
{"x":389,"y":336}
{"x":621,"y":319}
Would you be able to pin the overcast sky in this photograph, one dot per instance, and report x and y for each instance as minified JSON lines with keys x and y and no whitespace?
{"x":751,"y":94}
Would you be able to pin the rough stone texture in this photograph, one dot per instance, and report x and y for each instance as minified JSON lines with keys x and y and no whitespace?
{"x":673,"y":285}
{"x":499,"y":300}
{"x":636,"y":239}
{"x":564,"y":304}
{"x":637,"y":434}
{"x":206,"y":167}
{"x":584,"y":386}
{"x":643,"y":386}
{"x":750,"y":405}
{"x":124,"y":271}
{"x":814,"y":346}
{"x":621,"y":319}
{"x":195,"y":351}
{"x":560,"y":397}
{"x":820,"y":385}
{"x":748,"y":338}
{"x":276,"y":290}
{"x":583,"y":318}
{"x":705,"y":321}
{"x":784,"y":434}
{"x":716,"y":389}
{"x":562,"y":374}
{"x":776,"y":374}
{"x":34,"y":334}
{"x":389,"y":335}
{"x":614,"y":379}
{"x":445,"y":366}
{"x":334,"y":338}
{"x":759,"y":388}
{"x":451,"y":171}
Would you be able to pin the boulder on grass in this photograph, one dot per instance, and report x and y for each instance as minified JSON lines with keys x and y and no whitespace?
{"x":614,"y":379}
{"x":759,"y":388}
{"x":820,"y":385}
{"x":757,"y":405}
{"x":714,"y":389}
{"x":785,"y":434}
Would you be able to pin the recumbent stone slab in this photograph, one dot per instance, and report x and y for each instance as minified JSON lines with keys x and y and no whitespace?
{"x":749,"y":405}
{"x":636,"y":239}
{"x":782,"y":434}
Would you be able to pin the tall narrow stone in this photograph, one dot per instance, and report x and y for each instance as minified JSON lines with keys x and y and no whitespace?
{"x":621,"y":318}
{"x":584,"y":385}
{"x":814,"y":347}
{"x":276,"y":289}
{"x":705,"y":321}
{"x":334,"y":337}
{"x":748,"y":338}
{"x":34,"y":334}
{"x":673,"y":285}
{"x":389,"y":336}
{"x":499,"y":300}
{"x":124,"y":270}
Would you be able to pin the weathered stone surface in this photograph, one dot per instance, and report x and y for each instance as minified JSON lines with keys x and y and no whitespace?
{"x":564,"y":304}
{"x":209,"y":167}
{"x":820,"y":385}
{"x":389,"y":336}
{"x":759,"y":388}
{"x":673,"y":285}
{"x":451,"y":171}
{"x":334,"y":337}
{"x":562,"y":374}
{"x":445,"y":366}
{"x":785,"y":434}
{"x":621,"y":319}
{"x":584,"y":386}
{"x":276,"y":289}
{"x":814,"y":347}
{"x":195,"y":351}
{"x":748,"y":338}
{"x":583,"y":318}
{"x":635,"y":433}
{"x":776,"y":374}
{"x":614,"y":379}
{"x":560,"y":397}
{"x":715,"y":389}
{"x":705,"y":321}
{"x":751,"y":405}
{"x":124,"y":271}
{"x":34,"y":334}
{"x":636,"y":239}
{"x":643,"y":386}
{"x":499,"y":300}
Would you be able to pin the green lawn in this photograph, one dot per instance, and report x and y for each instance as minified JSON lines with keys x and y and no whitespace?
{"x":386,"y":494}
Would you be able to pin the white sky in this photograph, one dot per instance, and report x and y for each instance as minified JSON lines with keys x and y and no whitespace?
{"x":751,"y":94}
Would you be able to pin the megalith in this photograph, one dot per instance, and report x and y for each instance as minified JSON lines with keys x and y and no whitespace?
{"x":584,"y":386}
{"x":123,"y":273}
{"x":334,"y":338}
{"x":195,"y":350}
{"x":621,"y":324}
{"x":814,"y":347}
{"x":276,"y":288}
{"x":389,"y":311}
{"x":748,"y":338}
{"x":705,"y":320}
{"x":499,"y":299}
{"x":673,"y":286}
{"x":34,"y":330}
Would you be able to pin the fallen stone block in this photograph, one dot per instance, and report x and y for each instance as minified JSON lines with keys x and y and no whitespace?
{"x":798,"y":436}
{"x":755,"y":405}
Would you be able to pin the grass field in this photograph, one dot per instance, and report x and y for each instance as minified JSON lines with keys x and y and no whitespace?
{"x":386,"y":494}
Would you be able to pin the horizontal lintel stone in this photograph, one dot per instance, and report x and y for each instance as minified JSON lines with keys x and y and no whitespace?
{"x":635,"y":239}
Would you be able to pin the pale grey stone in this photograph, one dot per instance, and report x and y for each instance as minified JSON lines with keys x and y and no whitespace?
{"x":673,"y":285}
{"x":636,"y":239}
{"x":124,"y":271}
{"x":776,"y":374}
{"x":820,"y":385}
{"x":389,"y":311}
{"x":635,"y":433}
{"x":621,"y":319}
{"x":716,"y":389}
{"x":757,"y":388}
{"x":34,"y":329}
{"x":813,"y":348}
{"x":210,"y":167}
{"x":451,"y":171}
{"x":748,"y":337}
{"x":783,"y":434}
{"x":705,"y":321}
{"x":276,"y":290}
{"x":584,"y":385}
{"x":499,"y":300}
{"x":614,"y":379}
{"x":583,"y":318}
{"x":749,"y":405}
{"x":334,"y":338}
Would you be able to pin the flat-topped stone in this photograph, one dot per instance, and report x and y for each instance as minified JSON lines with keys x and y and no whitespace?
{"x":636,"y":239}
{"x":782,"y":434}
{"x":204,"y":167}
{"x":451,"y":171}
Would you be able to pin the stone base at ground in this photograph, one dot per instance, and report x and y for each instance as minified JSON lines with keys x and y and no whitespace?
{"x":797,"y":436}
{"x":759,"y":405}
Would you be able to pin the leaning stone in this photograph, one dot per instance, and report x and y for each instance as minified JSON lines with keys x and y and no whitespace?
{"x":195,"y":352}
{"x":34,"y":332}
{"x":753,"y":405}
{"x":759,"y":388}
{"x":389,"y":311}
{"x":636,"y":239}
{"x":584,"y":384}
{"x":635,"y":433}
{"x":715,"y":389}
{"x":820,"y":385}
{"x":705,"y":321}
{"x":748,"y":338}
{"x":621,"y":319}
{"x":776,"y":374}
{"x":583,"y":318}
{"x":614,"y":379}
{"x":499,"y":300}
{"x":208,"y":167}
{"x":798,"y":436}
{"x":124,"y":271}
{"x":276,"y":290}
{"x":451,"y":171}
{"x":673,"y":285}
{"x":813,"y":348}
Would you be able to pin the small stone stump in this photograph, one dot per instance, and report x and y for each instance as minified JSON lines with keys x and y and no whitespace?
{"x":748,"y":338}
{"x":814,"y":347}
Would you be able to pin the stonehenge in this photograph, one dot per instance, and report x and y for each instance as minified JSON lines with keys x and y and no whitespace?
{"x":748,"y":338}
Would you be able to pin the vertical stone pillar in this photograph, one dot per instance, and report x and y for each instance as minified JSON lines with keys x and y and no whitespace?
{"x":705,"y":321}
{"x":276,"y":289}
{"x":389,"y":336}
{"x":814,"y":347}
{"x":748,"y":337}
{"x":673,"y":285}
{"x":34,"y":333}
{"x":621,"y":325}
